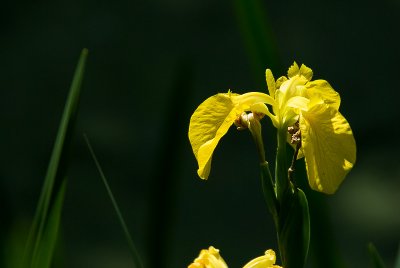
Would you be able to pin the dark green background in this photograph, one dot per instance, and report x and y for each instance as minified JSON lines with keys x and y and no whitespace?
{"x":150,"y":64}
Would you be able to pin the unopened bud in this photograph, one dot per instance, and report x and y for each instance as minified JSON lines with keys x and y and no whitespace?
{"x":242,"y":121}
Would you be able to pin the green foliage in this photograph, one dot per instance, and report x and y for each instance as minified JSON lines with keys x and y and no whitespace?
{"x":293,"y":223}
{"x":294,"y":229}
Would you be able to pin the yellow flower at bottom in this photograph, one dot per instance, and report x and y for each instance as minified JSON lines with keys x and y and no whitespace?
{"x":266,"y":261}
{"x":210,"y":258}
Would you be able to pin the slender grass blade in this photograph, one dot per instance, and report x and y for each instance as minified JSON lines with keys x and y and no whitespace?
{"x":135,"y":255}
{"x":56,"y":165}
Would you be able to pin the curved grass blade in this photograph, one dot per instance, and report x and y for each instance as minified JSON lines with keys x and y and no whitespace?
{"x":135,"y":255}
{"x":57,"y":161}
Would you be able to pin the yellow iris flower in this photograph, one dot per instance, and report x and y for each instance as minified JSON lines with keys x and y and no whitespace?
{"x":210,"y":258}
{"x":327,"y":141}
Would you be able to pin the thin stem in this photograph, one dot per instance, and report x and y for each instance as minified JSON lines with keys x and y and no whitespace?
{"x":292,"y":166}
{"x":260,"y":147}
{"x":134,"y":252}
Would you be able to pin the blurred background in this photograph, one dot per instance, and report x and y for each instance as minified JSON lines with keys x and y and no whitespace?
{"x":150,"y":65}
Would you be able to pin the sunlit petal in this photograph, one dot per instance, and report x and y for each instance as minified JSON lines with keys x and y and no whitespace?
{"x":270,"y":83}
{"x":298,"y":102}
{"x":265,"y":261}
{"x":323,"y":90}
{"x":328,"y":146}
{"x":208,"y":124}
{"x":293,"y":70}
{"x":302,"y":71}
{"x":248,"y":99}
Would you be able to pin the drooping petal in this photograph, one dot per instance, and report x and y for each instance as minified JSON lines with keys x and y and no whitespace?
{"x":323,"y":90}
{"x":209,"y":258}
{"x":212,"y":119}
{"x":208,"y":124}
{"x":328,"y":146}
{"x":265,"y":261}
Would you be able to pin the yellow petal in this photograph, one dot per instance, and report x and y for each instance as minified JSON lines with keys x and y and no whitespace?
{"x":323,"y":90}
{"x":302,"y":71}
{"x":280,"y":81}
{"x":270,"y":82}
{"x":306,"y":72}
{"x":293,"y":70}
{"x":248,"y":99}
{"x":298,"y":102}
{"x":265,"y":261}
{"x":208,"y":124}
{"x":328,"y":146}
{"x":263,"y":109}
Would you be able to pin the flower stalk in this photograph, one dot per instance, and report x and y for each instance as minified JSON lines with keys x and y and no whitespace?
{"x":281,"y":166}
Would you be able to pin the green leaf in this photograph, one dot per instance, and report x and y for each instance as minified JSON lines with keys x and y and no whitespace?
{"x":294,"y":230}
{"x":375,"y":258}
{"x":56,"y":166}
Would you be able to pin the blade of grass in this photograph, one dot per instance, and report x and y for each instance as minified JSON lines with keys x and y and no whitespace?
{"x":56,"y":161}
{"x":50,"y":235}
{"x":135,"y":255}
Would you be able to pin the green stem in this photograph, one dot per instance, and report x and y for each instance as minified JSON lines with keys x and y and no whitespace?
{"x":269,"y":192}
{"x":281,"y":166}
{"x":260,"y":147}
